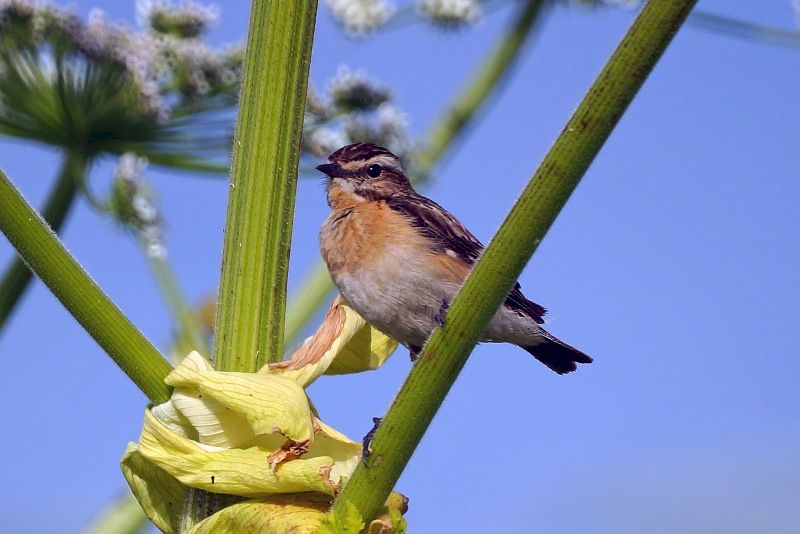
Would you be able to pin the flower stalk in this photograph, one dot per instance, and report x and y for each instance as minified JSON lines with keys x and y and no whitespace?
{"x":446,"y":352}
{"x":98,"y":315}
{"x":17,"y":276}
{"x":248,"y":329}
{"x":252,"y":296}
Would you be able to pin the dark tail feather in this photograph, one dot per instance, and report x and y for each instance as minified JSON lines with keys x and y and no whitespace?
{"x":557,"y":355}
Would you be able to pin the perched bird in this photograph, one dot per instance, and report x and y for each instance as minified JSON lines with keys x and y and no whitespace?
{"x":398,"y":258}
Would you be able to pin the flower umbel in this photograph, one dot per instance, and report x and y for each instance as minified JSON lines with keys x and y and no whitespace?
{"x":357,"y":109}
{"x":359,"y":17}
{"x":100,"y":87}
{"x":450,"y":13}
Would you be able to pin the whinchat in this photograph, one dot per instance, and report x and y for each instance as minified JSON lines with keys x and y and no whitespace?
{"x":398,"y":258}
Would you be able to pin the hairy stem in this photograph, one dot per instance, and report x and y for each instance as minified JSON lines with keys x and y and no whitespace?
{"x":450,"y":128}
{"x":98,"y":315}
{"x":17,"y":276}
{"x":248,"y":330}
{"x":446,"y":352}
{"x":252,"y":297}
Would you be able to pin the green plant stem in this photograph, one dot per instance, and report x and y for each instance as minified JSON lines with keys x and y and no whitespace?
{"x":473,"y":97}
{"x":17,"y":276}
{"x":248,"y":330}
{"x":99,"y":316}
{"x":313,"y":289}
{"x":453,"y":125}
{"x":744,"y":29}
{"x":124,"y":516}
{"x":189,"y":333}
{"x":252,"y":297}
{"x":446,"y":352}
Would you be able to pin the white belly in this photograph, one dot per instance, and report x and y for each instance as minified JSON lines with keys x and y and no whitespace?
{"x":397,"y":297}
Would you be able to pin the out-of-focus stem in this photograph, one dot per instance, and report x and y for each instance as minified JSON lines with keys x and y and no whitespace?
{"x":453,"y":125}
{"x":190,"y":334}
{"x":124,"y":516}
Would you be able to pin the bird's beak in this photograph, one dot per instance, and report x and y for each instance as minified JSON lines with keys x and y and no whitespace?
{"x":331,"y":169}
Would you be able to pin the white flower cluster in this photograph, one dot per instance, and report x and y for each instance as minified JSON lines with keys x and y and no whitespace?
{"x":168,"y":62}
{"x":186,"y":20}
{"x":356,"y":110}
{"x":450,"y":13}
{"x":361,"y":16}
{"x":355,"y":91}
{"x":133,"y":204}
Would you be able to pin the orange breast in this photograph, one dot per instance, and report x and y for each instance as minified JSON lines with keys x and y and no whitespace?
{"x":361,"y":237}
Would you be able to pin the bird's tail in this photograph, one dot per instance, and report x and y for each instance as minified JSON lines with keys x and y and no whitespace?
{"x":557,"y":355}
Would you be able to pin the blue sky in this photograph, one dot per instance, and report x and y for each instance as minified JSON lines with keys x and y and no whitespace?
{"x":674,"y":264}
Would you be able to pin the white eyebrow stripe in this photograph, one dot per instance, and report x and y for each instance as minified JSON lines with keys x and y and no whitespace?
{"x":385,"y":161}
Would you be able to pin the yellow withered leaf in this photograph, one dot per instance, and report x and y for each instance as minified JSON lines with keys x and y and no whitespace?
{"x":236,"y":409}
{"x":238,"y":471}
{"x":343,"y":343}
{"x":298,"y":514}
{"x":159,"y":494}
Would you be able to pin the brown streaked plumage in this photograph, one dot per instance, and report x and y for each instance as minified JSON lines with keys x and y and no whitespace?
{"x":398,"y":258}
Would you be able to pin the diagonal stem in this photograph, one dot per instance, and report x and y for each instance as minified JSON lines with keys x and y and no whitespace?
{"x":448,"y":348}
{"x":98,"y":315}
{"x":17,"y":276}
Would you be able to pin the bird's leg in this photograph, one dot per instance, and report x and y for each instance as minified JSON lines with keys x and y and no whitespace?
{"x":367,"y":441}
{"x":442,"y":312}
{"x":413,"y":352}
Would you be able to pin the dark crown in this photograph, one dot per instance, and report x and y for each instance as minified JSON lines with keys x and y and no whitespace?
{"x":359,"y":152}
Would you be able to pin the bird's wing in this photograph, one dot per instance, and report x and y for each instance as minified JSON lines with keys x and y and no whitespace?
{"x":448,"y":235}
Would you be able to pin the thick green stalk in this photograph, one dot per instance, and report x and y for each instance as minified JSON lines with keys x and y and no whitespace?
{"x":17,"y":276}
{"x":248,"y":329}
{"x":50,"y":261}
{"x":446,"y":352}
{"x":474,"y":97}
{"x":252,"y":296}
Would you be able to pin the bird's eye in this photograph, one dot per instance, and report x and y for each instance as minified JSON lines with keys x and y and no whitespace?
{"x":374,"y":170}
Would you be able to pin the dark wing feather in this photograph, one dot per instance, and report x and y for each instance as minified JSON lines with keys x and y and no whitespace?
{"x":448,"y":234}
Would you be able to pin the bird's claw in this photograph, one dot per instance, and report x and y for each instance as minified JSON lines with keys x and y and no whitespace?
{"x":366,"y":451}
{"x":442,"y":312}
{"x":413,"y":353}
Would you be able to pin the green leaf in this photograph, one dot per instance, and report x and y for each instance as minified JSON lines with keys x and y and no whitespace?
{"x":344,"y":520}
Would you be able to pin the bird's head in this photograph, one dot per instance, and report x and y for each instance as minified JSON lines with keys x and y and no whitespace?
{"x":363,"y":172}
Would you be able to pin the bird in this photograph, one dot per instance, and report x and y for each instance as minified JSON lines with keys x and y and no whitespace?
{"x":398,"y":259}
